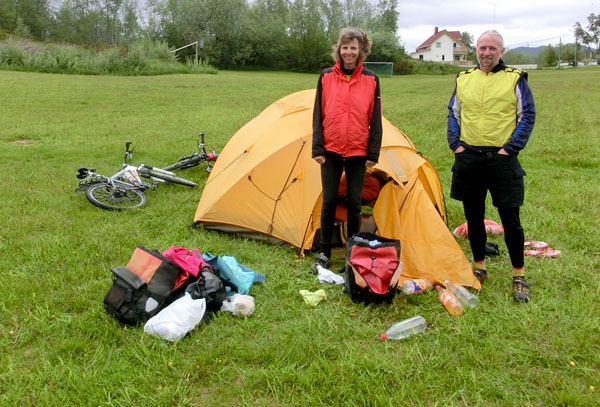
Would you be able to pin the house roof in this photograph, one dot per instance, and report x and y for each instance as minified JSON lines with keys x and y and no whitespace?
{"x":437,"y":34}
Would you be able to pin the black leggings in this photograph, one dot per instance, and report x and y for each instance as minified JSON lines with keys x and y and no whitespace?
{"x":513,"y":232}
{"x":331,"y":173}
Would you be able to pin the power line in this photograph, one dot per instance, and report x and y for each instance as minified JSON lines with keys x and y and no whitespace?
{"x":556,"y":37}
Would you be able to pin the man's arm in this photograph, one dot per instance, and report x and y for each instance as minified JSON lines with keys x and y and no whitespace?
{"x":525,"y":117}
{"x":454,"y":122}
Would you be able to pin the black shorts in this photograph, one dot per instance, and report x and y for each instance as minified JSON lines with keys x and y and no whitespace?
{"x":474,"y":173}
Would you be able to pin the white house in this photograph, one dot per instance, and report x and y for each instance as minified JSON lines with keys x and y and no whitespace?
{"x":443,"y":46}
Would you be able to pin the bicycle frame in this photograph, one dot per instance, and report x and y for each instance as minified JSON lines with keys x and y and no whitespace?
{"x":195,"y":159}
{"x":126,"y":178}
{"x":125,"y":189}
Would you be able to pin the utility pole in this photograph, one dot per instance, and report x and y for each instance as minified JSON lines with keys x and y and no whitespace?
{"x":575,"y":64}
{"x":559,"y":47}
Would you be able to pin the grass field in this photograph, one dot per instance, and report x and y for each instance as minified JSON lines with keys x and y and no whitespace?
{"x":58,"y":347}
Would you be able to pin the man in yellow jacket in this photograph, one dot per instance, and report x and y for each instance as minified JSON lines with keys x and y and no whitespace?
{"x":491,"y":116}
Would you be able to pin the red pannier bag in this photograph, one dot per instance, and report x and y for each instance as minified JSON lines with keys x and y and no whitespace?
{"x":373,"y":268}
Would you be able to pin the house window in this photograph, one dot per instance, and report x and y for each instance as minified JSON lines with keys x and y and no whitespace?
{"x":457,"y":57}
{"x":454,"y":45}
{"x":443,"y":57}
{"x":438,"y":44}
{"x":420,"y":56}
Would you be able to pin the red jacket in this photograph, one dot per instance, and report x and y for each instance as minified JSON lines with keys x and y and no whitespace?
{"x":347,"y":114}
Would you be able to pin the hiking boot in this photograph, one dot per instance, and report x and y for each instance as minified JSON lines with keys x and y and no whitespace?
{"x":320,"y":260}
{"x":480,"y":274}
{"x":520,"y":288}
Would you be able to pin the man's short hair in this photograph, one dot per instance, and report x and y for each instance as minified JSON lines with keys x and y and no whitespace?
{"x":493,"y":33}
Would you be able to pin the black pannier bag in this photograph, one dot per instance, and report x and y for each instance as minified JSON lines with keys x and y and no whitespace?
{"x":142,"y":288}
{"x":373,"y":268}
{"x":209,"y":287}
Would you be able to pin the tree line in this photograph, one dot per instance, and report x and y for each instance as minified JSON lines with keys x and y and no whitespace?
{"x":265,"y":34}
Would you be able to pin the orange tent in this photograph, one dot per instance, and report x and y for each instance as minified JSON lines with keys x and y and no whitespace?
{"x":265,"y":185}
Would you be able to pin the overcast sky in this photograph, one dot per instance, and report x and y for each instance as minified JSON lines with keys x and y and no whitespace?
{"x":521,"y":22}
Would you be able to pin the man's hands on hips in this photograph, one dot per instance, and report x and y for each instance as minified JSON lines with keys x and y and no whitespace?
{"x":460,"y":149}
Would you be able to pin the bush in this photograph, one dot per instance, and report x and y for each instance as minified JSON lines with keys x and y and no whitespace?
{"x":408,"y":65}
{"x":154,"y":50}
{"x":202,"y":66}
{"x":140,"y":58}
{"x":55,"y":59}
{"x":435,"y":68}
{"x":404,"y":66}
{"x":12,"y":54}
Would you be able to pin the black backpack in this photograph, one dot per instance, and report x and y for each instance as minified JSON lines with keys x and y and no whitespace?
{"x":372,"y":268}
{"x":210,"y":287}
{"x":143,"y":287}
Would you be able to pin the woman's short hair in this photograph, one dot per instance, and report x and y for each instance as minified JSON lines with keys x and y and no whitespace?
{"x":348,"y":34}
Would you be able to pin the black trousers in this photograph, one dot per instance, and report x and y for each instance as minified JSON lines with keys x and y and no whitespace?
{"x":477,"y":171}
{"x":513,"y":232}
{"x":331,"y":174}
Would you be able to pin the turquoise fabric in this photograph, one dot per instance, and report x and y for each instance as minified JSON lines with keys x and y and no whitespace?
{"x":233,"y":272}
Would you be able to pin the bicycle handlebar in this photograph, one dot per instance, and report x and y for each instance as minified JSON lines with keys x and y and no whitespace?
{"x":128,"y":151}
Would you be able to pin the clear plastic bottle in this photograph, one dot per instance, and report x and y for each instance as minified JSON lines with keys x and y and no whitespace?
{"x":449,"y":301}
{"x":406,"y":328}
{"x":466,"y":298}
{"x":416,"y":286}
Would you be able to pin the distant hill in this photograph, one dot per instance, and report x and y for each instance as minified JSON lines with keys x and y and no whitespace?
{"x":528,"y":50}
{"x":536,"y":50}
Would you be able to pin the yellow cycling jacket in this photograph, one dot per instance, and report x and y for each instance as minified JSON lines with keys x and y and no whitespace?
{"x":492,"y":110}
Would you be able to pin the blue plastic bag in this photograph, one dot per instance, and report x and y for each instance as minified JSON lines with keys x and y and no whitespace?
{"x":233,"y":272}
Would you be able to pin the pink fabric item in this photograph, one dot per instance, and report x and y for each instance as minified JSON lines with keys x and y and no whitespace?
{"x":491,"y":228}
{"x":461,"y":231}
{"x":546,"y":252}
{"x":535,"y":245}
{"x":189,"y":260}
{"x":541,"y":249}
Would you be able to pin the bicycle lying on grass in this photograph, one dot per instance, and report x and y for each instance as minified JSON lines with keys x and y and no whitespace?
{"x":125,"y":189}
{"x":195,"y":159}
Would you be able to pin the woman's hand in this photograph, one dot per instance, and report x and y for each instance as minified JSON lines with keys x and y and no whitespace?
{"x":370,"y":164}
{"x":320,"y":159}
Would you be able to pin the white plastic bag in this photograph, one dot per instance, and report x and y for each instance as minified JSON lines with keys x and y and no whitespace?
{"x":239,"y":304}
{"x":175,"y":321}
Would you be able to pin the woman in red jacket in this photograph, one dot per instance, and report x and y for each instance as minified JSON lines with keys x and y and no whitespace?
{"x":346,"y":131}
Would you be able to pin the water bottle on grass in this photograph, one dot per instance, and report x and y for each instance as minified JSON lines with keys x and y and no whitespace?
{"x":466,"y":298}
{"x":449,"y":301}
{"x":406,"y":328}
{"x":416,"y":286}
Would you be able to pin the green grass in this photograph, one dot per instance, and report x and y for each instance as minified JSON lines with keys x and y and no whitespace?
{"x":58,"y":347}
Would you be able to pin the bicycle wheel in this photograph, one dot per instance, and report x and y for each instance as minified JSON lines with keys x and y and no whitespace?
{"x":172,"y":178}
{"x":184,"y":163}
{"x":107,"y":197}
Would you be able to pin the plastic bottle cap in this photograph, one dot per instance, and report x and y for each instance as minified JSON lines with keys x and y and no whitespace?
{"x":383,"y":336}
